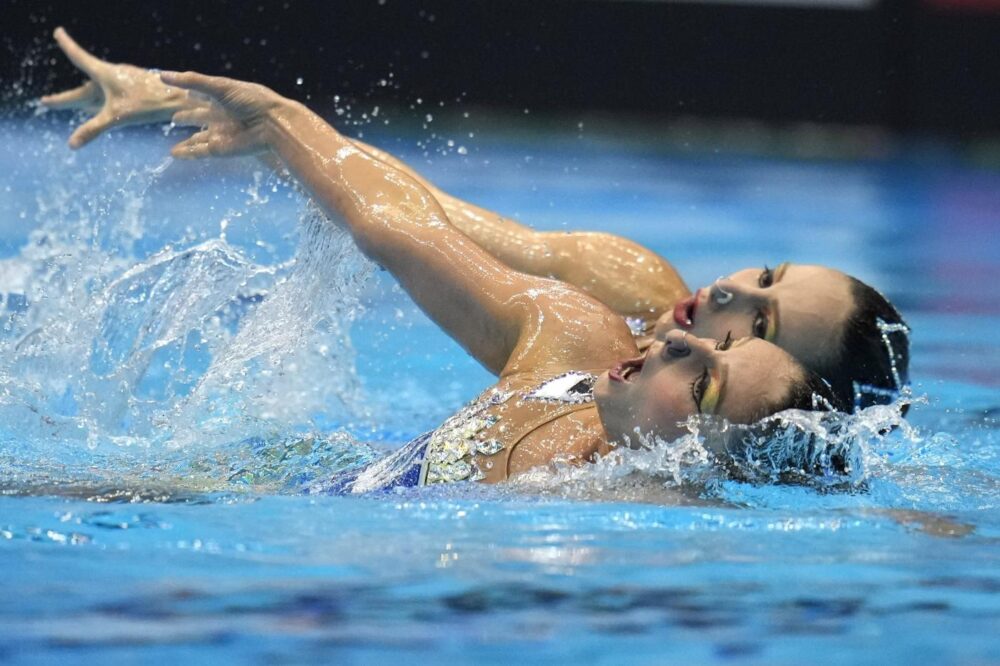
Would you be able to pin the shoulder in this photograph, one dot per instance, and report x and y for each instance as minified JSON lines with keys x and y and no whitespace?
{"x":568,"y":330}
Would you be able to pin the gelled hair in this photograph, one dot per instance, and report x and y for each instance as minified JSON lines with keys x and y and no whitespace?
{"x":871,"y":364}
{"x":778,"y":448}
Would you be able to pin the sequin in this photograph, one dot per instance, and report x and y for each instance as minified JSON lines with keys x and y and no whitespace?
{"x":569,"y":387}
{"x":452,"y":445}
{"x":889,"y":394}
{"x":489,"y":447}
{"x":450,"y":449}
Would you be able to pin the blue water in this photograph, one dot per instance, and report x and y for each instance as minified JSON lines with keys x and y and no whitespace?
{"x":184,"y":349}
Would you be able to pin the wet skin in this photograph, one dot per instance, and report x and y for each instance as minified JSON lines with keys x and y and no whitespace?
{"x":520,"y":326}
{"x":799,"y":307}
{"x":682,"y":374}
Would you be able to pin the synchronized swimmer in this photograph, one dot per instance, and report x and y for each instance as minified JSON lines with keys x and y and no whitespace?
{"x":593,"y":338}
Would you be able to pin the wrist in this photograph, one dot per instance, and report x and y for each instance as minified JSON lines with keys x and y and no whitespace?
{"x":288,"y":120}
{"x":177,"y":100}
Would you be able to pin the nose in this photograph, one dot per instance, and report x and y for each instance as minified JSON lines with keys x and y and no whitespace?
{"x":725,"y":291}
{"x":678,"y":344}
{"x":719,"y":293}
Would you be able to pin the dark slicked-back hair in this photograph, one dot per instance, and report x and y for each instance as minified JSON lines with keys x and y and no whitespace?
{"x":871,"y":364}
{"x":777,"y":449}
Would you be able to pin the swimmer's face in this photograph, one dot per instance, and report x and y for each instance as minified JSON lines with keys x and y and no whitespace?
{"x":798,"y":307}
{"x":681,"y":375}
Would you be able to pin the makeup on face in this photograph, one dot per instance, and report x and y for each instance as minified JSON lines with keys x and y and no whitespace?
{"x":681,"y":375}
{"x":799,"y":307}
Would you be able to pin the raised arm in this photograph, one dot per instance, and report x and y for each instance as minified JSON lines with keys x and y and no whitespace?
{"x":501,"y":316}
{"x":627,"y":277}
{"x":630,"y":279}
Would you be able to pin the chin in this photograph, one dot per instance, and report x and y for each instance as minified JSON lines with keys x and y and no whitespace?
{"x":602,"y":388}
{"x":612,"y":397}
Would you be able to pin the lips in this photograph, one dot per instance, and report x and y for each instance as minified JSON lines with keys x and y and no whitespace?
{"x":625,"y":370}
{"x":685,"y":309}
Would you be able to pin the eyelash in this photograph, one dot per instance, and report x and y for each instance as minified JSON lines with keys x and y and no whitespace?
{"x":700,"y":383}
{"x":698,"y":387}
{"x":760,"y":325}
{"x":766,"y":278}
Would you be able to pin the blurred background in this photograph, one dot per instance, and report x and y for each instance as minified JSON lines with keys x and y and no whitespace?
{"x":915,"y":66}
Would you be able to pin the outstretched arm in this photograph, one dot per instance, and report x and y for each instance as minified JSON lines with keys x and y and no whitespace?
{"x":627,"y":277}
{"x":505,"y":318}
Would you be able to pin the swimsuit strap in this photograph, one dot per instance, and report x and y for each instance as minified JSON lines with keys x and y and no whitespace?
{"x":475,"y":444}
{"x":536,"y":423}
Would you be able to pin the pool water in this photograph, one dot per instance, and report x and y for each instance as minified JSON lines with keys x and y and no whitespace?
{"x":186,"y":350}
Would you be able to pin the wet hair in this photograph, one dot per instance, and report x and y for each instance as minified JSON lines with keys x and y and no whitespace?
{"x":808,"y":392}
{"x":871,"y":363}
{"x":792,"y":441}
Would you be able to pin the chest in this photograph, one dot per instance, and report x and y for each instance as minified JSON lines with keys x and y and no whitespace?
{"x":512,"y":428}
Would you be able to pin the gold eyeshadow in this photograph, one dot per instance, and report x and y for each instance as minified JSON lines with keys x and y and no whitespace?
{"x":772,"y":325}
{"x":710,"y":400}
{"x":770,"y":313}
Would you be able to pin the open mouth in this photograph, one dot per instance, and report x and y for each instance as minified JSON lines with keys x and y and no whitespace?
{"x":626,"y":370}
{"x":685,"y":309}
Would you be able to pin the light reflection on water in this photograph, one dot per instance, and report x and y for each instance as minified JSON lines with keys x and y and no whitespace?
{"x":176,"y":530}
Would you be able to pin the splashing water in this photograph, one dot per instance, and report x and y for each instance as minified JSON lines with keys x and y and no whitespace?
{"x":232,"y":373}
{"x":123,"y":356}
{"x":791,"y":447}
{"x":111,"y":362}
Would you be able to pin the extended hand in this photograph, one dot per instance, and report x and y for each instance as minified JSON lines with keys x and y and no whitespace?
{"x":117,"y":95}
{"x":235,"y":120}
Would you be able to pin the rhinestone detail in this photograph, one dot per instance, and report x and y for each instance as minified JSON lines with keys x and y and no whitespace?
{"x":489,"y":447}
{"x":557,"y":389}
{"x":452,"y":445}
{"x":889,"y":394}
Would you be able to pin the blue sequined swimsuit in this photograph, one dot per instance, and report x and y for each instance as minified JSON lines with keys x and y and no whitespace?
{"x":445,"y":455}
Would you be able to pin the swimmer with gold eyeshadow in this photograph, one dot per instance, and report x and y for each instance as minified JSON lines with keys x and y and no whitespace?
{"x":834,"y":324}
{"x":572,"y":382}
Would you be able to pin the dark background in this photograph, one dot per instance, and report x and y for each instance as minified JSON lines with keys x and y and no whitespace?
{"x":903,"y":65}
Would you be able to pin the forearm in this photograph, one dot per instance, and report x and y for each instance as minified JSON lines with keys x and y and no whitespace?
{"x":399,"y":224}
{"x":628,"y":278}
{"x":518,"y":246}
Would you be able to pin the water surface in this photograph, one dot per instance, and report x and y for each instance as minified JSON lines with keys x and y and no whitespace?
{"x":185,"y":348}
